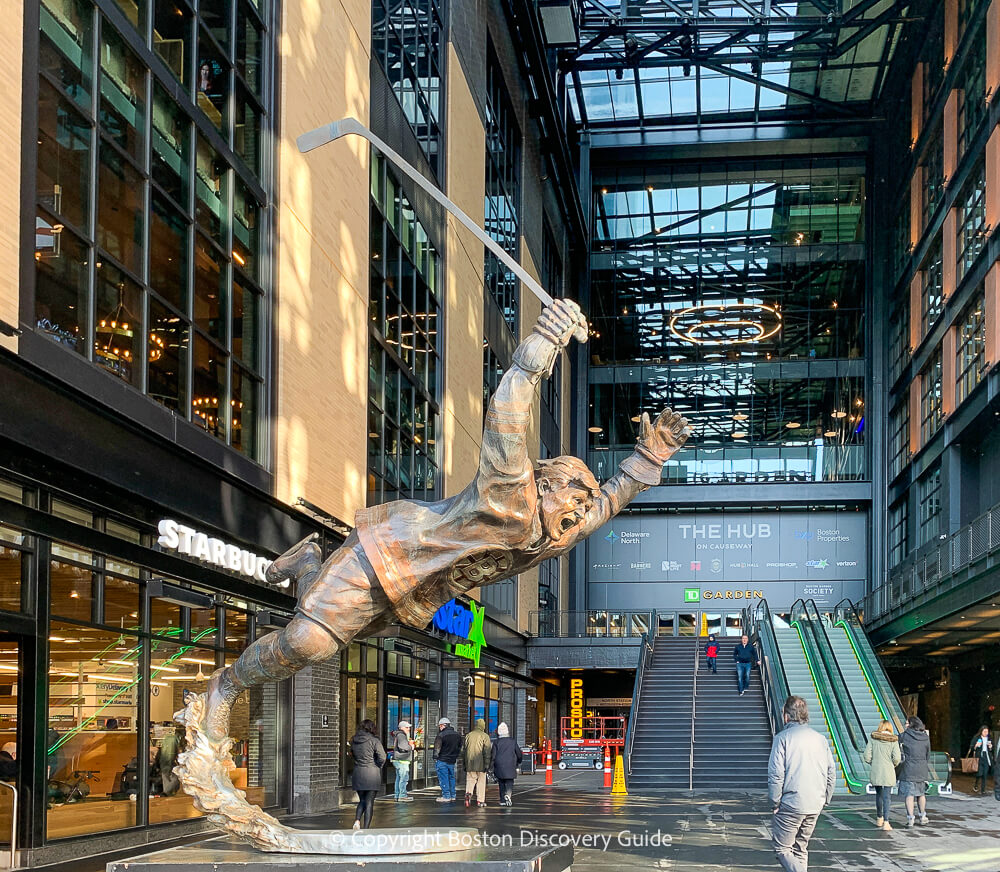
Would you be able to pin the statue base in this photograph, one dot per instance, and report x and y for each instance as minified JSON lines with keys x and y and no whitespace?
{"x":363,"y":849}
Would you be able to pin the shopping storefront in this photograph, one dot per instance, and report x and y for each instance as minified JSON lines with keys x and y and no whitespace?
{"x":106,"y":625}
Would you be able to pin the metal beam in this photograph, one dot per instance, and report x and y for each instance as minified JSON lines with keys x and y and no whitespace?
{"x":865,"y":31}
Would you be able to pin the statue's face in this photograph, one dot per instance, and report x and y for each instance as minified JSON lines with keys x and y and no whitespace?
{"x":563,"y":511}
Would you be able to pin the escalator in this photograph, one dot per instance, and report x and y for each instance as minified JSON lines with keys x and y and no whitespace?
{"x":830,"y":663}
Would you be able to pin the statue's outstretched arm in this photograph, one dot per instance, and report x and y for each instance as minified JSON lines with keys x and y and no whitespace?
{"x":658,"y":442}
{"x":505,"y":449}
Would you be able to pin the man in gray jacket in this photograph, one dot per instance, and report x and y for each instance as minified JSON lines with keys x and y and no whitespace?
{"x":800,"y":780}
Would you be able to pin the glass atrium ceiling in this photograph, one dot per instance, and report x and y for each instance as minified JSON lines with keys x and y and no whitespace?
{"x":644,"y":63}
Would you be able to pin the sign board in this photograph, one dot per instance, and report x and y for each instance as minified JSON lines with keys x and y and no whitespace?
{"x":609,"y":702}
{"x":684,"y":560}
{"x":178,"y":537}
{"x":463,"y":622}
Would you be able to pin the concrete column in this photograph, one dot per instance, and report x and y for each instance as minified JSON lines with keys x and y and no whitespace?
{"x":951,"y":488}
{"x":949,"y":251}
{"x":993,"y":50}
{"x":950,"y":30}
{"x":916,"y":103}
{"x":993,"y":177}
{"x":992,"y":315}
{"x":520,"y":712}
{"x":948,"y":371}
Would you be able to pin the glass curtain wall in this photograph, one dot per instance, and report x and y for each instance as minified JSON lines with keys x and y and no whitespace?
{"x":404,"y":347}
{"x":151,"y":191}
{"x":737,"y":297}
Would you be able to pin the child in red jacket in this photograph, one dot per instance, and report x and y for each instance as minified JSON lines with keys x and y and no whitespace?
{"x":711,"y":652}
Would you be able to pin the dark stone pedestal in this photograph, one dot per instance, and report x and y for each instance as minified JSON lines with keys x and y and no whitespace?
{"x":227,"y":855}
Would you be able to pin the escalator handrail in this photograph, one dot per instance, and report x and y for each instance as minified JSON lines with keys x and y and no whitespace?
{"x":886,"y":697}
{"x":772,"y":672}
{"x":844,"y":701}
{"x":845,"y":746}
{"x":645,"y":651}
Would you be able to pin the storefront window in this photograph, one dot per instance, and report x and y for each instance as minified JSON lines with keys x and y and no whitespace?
{"x":93,"y":741}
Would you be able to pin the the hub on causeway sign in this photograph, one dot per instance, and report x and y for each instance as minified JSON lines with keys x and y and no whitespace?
{"x":178,"y":537}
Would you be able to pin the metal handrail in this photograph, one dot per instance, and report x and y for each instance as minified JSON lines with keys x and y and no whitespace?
{"x":694,"y":703}
{"x":13,"y":824}
{"x":770,"y":660}
{"x":645,"y":652}
{"x":932,"y":566}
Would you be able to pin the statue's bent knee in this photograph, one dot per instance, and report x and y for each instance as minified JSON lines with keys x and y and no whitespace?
{"x":305,"y":641}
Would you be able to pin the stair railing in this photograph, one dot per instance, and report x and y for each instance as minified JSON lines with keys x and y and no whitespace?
{"x":645,"y":654}
{"x":694,"y":704}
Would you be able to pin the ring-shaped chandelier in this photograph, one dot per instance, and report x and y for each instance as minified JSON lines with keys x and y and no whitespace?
{"x":726,"y":324}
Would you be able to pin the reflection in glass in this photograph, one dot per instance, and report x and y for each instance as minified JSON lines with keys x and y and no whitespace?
{"x":209,"y":170}
{"x":172,"y":35}
{"x":167,"y":357}
{"x":171,"y":147}
{"x":118,"y":327}
{"x":66,"y":45}
{"x":208,"y":387}
{"x":123,"y":93}
{"x":61,"y":279}
{"x":63,"y":157}
{"x":212,"y":83}
{"x":211,"y":281}
{"x":168,"y":252}
{"x":120,"y":209}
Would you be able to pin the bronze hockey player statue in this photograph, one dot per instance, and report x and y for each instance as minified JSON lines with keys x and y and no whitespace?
{"x":407,"y":558}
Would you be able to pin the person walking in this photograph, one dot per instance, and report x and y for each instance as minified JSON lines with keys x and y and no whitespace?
{"x":477,"y":755}
{"x":745,"y":656}
{"x":711,"y":653}
{"x":369,"y":758}
{"x":447,"y":747}
{"x":882,"y":754}
{"x":402,"y":757}
{"x":982,"y":749}
{"x":507,"y":758}
{"x":800,"y":780}
{"x":915,"y":770}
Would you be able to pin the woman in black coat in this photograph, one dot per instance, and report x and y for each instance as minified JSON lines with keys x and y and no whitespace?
{"x":506,"y":759}
{"x":369,"y":758}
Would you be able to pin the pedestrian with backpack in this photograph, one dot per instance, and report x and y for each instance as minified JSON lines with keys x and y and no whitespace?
{"x":402,"y":757}
{"x":982,"y":750}
{"x":915,"y":770}
{"x":711,"y":653}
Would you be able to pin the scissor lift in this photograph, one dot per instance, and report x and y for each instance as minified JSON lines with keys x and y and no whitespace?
{"x":582,"y":740}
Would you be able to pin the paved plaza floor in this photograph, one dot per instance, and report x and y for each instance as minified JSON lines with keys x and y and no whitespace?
{"x":717,"y":831}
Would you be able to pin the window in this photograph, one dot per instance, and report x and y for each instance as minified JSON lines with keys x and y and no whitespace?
{"x":929,"y":502}
{"x":899,"y":439}
{"x":932,"y":57}
{"x":933,"y":174}
{"x":932,"y":288}
{"x":548,"y":596}
{"x":971,"y":351}
{"x":901,"y":242}
{"x":503,"y":191}
{"x":407,"y":41}
{"x":404,"y":347}
{"x":163,"y":298}
{"x":971,"y":206}
{"x":931,"y":412}
{"x":492,"y":373}
{"x":966,"y":10}
{"x":972,"y":92}
{"x":898,"y":539}
{"x":502,"y":595}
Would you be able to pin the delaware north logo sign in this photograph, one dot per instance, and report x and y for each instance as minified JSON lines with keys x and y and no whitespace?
{"x":455,"y":619}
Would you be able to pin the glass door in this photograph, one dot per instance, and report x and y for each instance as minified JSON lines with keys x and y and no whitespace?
{"x":10,"y":759}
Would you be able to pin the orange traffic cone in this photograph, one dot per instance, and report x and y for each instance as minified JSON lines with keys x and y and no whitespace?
{"x":607,"y":766}
{"x":548,"y":764}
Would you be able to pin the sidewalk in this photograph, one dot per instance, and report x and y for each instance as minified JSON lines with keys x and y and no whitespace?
{"x":709,"y":831}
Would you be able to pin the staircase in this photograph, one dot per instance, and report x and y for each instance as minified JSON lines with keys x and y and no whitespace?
{"x":732,"y":737}
{"x":661,"y":751}
{"x":800,"y":683}
{"x":854,"y":677}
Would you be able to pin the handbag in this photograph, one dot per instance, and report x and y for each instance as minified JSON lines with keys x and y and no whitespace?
{"x":970,"y":765}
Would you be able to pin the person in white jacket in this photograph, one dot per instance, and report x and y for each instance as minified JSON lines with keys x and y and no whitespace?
{"x":800,"y":780}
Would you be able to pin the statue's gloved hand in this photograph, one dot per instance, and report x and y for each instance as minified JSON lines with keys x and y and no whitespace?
{"x":555,"y":327}
{"x":658,"y":442}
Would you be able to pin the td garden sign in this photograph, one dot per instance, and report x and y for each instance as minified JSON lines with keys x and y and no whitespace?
{"x":676,"y":560}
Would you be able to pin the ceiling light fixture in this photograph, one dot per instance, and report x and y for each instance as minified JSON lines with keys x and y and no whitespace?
{"x":793,"y":425}
{"x":838,"y":413}
{"x":830,"y":434}
{"x":726,"y":324}
{"x":739,"y":434}
{"x":595,"y":429}
{"x":739,"y":416}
